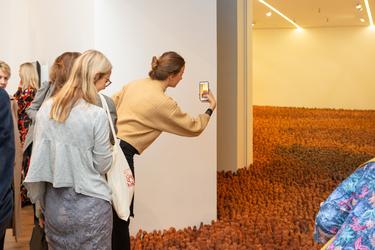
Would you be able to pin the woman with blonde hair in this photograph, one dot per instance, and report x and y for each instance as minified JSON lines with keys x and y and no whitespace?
{"x":25,"y":95}
{"x":71,"y":155}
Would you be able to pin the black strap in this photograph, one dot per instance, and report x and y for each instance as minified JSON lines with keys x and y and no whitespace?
{"x":209,"y":111}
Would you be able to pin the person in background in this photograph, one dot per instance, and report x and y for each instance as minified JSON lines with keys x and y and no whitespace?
{"x":100,"y":85}
{"x":24,"y":96}
{"x":144,"y":112}
{"x":59,"y":73}
{"x":5,"y":74}
{"x":347,"y":218}
{"x":7,"y":154}
{"x":71,"y":155}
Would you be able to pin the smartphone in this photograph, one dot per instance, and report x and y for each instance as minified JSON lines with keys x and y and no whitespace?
{"x":203,"y":91}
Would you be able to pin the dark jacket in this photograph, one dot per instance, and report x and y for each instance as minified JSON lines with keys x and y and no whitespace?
{"x":7,"y":152}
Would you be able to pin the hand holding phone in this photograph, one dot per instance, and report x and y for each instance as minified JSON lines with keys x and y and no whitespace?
{"x":203,"y":91}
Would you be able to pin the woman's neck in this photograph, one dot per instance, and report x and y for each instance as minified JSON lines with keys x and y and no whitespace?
{"x":164,"y":84}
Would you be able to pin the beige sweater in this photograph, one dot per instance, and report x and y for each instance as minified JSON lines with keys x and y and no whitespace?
{"x":144,"y":111}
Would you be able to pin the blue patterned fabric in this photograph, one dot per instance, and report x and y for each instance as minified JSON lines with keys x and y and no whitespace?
{"x":349,"y":213}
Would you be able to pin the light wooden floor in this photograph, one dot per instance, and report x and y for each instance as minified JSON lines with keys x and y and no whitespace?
{"x":26,"y":229}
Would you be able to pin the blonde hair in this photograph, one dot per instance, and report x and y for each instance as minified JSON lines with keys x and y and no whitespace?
{"x":88,"y":68}
{"x":5,"y":68}
{"x":29,"y":76}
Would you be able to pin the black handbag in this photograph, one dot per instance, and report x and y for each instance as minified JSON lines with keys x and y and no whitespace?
{"x":38,"y":239}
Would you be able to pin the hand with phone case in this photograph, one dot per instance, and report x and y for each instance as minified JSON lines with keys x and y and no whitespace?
{"x":203,"y":91}
{"x":205,"y":95}
{"x":211,"y":100}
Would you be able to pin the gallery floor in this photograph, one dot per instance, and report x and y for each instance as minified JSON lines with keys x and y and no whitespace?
{"x":27,"y":224}
{"x":300,"y":155}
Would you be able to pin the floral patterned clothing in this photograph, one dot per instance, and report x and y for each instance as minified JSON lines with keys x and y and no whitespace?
{"x":349,"y":213}
{"x":24,"y":99}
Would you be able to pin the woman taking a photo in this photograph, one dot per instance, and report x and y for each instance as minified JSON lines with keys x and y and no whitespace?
{"x":71,"y":155}
{"x":144,"y":111}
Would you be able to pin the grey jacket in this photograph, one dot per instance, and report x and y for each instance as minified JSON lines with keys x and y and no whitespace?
{"x":44,"y":93}
{"x":75,"y":153}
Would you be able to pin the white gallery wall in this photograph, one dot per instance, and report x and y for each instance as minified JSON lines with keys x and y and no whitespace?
{"x":176,"y":176}
{"x":322,"y":67}
{"x":59,"y":26}
{"x":41,"y":30}
{"x":15,"y":46}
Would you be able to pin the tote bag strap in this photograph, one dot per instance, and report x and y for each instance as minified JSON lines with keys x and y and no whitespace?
{"x":105,"y":106}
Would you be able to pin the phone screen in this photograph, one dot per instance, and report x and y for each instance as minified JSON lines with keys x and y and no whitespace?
{"x":203,"y":90}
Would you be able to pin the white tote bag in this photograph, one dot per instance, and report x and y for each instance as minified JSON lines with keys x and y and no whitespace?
{"x":120,"y":178}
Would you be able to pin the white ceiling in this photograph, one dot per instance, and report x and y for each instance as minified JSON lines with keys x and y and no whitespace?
{"x":311,"y":13}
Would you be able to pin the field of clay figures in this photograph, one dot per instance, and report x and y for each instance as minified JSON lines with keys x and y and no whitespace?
{"x":300,"y":156}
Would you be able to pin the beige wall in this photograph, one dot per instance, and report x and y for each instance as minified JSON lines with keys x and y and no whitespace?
{"x":234,"y":130}
{"x":324,"y":68}
{"x":227,"y":85}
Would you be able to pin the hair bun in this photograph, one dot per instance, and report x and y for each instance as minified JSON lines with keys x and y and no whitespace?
{"x":154,"y":63}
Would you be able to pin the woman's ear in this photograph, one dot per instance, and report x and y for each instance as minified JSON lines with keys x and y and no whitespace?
{"x":97,"y":77}
{"x":171,"y":76}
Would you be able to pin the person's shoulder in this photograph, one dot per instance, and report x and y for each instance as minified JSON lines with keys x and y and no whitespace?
{"x":45,"y":84}
{"x":4,"y":95}
{"x":97,"y":113}
{"x":109,"y":100}
{"x":141,"y":81}
{"x":2,"y":91}
{"x":94,"y":108}
{"x":45,"y":107}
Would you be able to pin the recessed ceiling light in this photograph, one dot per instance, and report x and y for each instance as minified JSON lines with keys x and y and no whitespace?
{"x":279,"y":13}
{"x":362,"y":20}
{"x":269,"y":13}
{"x":369,"y":14}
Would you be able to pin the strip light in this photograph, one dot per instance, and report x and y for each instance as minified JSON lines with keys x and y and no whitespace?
{"x":369,"y":14}
{"x":281,"y":14}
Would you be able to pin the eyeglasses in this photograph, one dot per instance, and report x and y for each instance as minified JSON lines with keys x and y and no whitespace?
{"x":108,"y":82}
